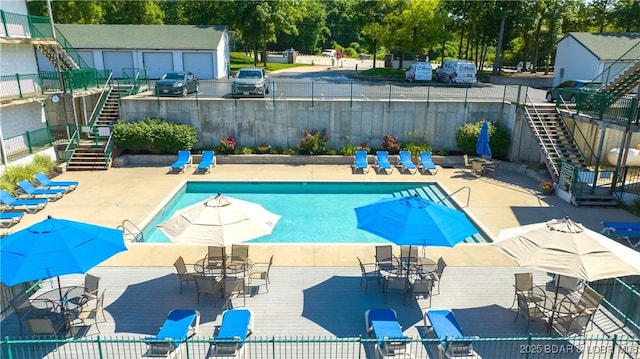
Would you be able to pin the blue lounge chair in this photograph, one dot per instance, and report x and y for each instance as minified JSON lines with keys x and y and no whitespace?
{"x":184,"y":160}
{"x":383,"y":325}
{"x":207,"y":162}
{"x":28,"y":205}
{"x":426,"y":163}
{"x":180,"y":325}
{"x":445,"y":326}
{"x":622,"y":225}
{"x":237,"y":325}
{"x":8,"y":219}
{"x":631,"y":234}
{"x":32,"y":192}
{"x":382,"y":162}
{"x":360,"y":162}
{"x":406,"y":164}
{"x":46,"y":182}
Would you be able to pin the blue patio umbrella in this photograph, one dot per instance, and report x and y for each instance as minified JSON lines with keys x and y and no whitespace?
{"x":482,"y":145}
{"x":414,"y":220}
{"x":56,"y":247}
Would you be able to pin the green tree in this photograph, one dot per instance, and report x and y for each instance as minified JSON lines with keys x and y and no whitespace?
{"x":69,"y":12}
{"x":144,"y":12}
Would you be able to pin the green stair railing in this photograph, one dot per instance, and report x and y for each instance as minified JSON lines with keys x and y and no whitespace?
{"x":41,"y":28}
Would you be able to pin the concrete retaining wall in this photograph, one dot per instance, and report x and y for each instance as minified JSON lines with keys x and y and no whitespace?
{"x":282,"y":122}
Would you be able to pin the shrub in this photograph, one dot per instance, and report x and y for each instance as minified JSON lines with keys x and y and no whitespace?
{"x":227,"y":145}
{"x":467,"y":136}
{"x":276,"y":150}
{"x":246,"y":150}
{"x":390,"y":144}
{"x":289,"y":151}
{"x":263,"y":148}
{"x":43,"y":163}
{"x":154,"y":136}
{"x":313,"y":142}
{"x":416,"y":148}
{"x":349,"y":150}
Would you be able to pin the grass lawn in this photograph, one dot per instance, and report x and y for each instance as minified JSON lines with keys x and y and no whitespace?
{"x":240,"y":60}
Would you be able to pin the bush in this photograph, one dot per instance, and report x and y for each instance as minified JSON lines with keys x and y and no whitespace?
{"x":154,"y":136}
{"x":467,"y":136}
{"x":16,"y":173}
{"x":390,"y":144}
{"x":228,"y":145}
{"x":349,"y":150}
{"x":314,"y":142}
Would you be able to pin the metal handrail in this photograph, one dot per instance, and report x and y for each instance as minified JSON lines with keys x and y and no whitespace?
{"x":456,"y":191}
{"x":607,"y":70}
{"x":137,"y":237}
{"x":536,"y":132}
{"x":101,"y":101}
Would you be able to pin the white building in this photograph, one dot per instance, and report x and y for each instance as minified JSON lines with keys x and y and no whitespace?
{"x":203,"y":50}
{"x":584,"y":56}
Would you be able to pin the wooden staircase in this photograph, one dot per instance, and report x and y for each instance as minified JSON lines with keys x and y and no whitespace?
{"x":625,"y":82}
{"x":111,"y":110}
{"x":89,"y":157}
{"x":58,"y":56}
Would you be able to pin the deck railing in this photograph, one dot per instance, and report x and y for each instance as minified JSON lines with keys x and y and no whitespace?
{"x":301,"y":347}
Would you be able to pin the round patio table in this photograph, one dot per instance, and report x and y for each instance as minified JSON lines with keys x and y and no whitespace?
{"x":72,"y":298}
{"x":203,"y":267}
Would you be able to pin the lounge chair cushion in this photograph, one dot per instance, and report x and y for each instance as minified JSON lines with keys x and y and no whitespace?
{"x":179,"y":325}
{"x":45,"y":181}
{"x":382,"y":159}
{"x":30,"y":205}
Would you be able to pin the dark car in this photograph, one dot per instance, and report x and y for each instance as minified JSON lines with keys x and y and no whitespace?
{"x":574,"y":86}
{"x":250,"y":81}
{"x":177,"y":83}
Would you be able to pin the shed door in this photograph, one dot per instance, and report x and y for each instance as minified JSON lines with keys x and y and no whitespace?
{"x":157,"y":63}
{"x":116,"y":61}
{"x":200,"y":63}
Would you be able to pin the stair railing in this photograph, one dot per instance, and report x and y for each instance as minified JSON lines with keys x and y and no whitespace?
{"x":41,"y":27}
{"x":108,"y":148}
{"x":71,"y":146}
{"x":102,"y":100}
{"x":456,"y":191}
{"x":614,"y":69}
{"x":545,"y":151}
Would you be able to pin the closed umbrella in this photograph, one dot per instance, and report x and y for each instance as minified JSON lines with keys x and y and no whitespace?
{"x":482,"y":144}
{"x":565,"y":247}
{"x":416,"y":221}
{"x":56,"y":247}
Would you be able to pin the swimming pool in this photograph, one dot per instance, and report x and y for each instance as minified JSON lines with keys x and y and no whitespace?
{"x":311,"y":212}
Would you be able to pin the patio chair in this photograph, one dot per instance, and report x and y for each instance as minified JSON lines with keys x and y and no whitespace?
{"x":406,"y":163}
{"x":397,"y":284}
{"x":91,"y":284}
{"x":478,"y":168}
{"x":421,"y":287}
{"x":467,"y":163}
{"x":588,"y":302}
{"x":28,"y":205}
{"x":23,"y":309}
{"x":216,"y":259}
{"x":228,"y":340}
{"x":8,"y":219}
{"x":46,"y":327}
{"x":233,"y":288}
{"x":492,"y":167}
{"x":207,"y":162}
{"x":89,"y":312}
{"x":30,"y":191}
{"x":568,"y":324}
{"x":530,"y":309}
{"x":436,"y":276}
{"x":367,"y":275}
{"x":46,"y":182}
{"x":207,"y":285}
{"x":426,"y":163}
{"x":183,"y":274}
{"x":258,"y":271}
{"x":524,"y":287}
{"x":184,"y":160}
{"x":445,"y":325}
{"x":180,"y":325}
{"x":383,"y":325}
{"x":239,"y":252}
{"x":360,"y":162}
{"x":385,"y":260}
{"x":382,"y":162}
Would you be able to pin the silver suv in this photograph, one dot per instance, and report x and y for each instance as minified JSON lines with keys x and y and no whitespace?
{"x":250,"y":81}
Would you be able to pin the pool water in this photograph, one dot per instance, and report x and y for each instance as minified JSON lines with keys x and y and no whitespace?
{"x":311,"y":212}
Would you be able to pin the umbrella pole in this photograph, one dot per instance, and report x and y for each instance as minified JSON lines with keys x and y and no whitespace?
{"x":555,"y":299}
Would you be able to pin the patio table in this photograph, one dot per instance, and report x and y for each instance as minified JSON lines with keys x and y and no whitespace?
{"x":68,"y":306}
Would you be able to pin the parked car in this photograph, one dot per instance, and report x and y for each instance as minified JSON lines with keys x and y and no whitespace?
{"x":177,"y":83}
{"x":575,"y":85}
{"x":329,"y":52}
{"x":460,"y":71}
{"x":419,"y":71}
{"x":250,"y":81}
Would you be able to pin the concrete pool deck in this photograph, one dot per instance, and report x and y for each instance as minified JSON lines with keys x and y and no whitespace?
{"x":504,"y":200}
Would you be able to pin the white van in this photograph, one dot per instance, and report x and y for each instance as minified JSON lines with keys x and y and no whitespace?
{"x":419,"y":71}
{"x":459,"y":71}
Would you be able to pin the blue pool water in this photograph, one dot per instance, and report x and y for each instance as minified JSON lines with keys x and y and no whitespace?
{"x":312,"y":212}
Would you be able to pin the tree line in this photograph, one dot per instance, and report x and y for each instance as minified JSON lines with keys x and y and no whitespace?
{"x":495,"y":32}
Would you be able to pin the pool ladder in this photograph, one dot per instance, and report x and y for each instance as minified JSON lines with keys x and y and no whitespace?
{"x":131,"y":232}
